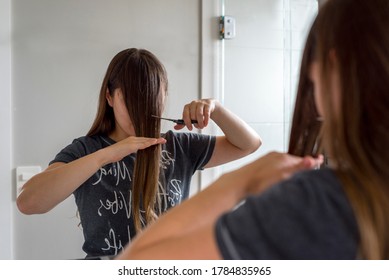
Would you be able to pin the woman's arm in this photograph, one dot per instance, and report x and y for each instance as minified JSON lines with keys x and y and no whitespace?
{"x":239,"y":138}
{"x":47,"y":189}
{"x":187,"y":230}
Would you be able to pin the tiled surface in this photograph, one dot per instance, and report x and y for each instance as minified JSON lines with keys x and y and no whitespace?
{"x":262,"y":66}
{"x":272,"y":135}
{"x":252,"y":17}
{"x":253,"y":83}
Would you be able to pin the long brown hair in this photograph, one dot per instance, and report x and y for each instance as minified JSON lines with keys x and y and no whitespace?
{"x":353,"y":36}
{"x":143,"y":81}
{"x":306,"y":123}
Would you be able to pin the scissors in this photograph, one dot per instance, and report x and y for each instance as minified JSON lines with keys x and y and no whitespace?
{"x":177,"y":121}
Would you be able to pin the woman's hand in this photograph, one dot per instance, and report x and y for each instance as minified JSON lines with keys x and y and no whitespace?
{"x":269,"y":170}
{"x":130,"y":145}
{"x":199,"y":110}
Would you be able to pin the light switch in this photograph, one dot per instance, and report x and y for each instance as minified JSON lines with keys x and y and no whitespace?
{"x":23,"y":174}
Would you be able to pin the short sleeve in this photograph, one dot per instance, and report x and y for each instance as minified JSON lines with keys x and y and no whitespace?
{"x":296,"y":219}
{"x":195,"y":148}
{"x":73,"y":151}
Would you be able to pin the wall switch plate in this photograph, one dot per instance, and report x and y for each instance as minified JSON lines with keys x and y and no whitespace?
{"x":23,"y":174}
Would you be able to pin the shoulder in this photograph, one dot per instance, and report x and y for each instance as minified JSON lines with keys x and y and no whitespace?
{"x":316,"y":190}
{"x":93,"y":141}
{"x":324,"y":177}
{"x":190,"y":149}
{"x":305,"y":217}
{"x":307,"y":185}
{"x":185,"y":139}
{"x":82,"y":146}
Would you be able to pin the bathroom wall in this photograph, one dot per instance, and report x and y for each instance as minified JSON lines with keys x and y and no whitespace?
{"x":57,"y":55}
{"x":6,"y":130}
{"x":60,"y":52}
{"x":261,"y":66}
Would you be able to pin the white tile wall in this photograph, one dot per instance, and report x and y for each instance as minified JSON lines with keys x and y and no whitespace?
{"x":262,"y":66}
{"x":272,"y":135}
{"x":253,"y":83}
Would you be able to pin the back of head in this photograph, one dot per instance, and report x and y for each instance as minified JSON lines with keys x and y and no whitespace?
{"x":306,"y":123}
{"x":352,"y":37}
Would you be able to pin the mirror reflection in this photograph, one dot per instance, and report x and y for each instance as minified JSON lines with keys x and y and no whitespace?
{"x":60,"y":54}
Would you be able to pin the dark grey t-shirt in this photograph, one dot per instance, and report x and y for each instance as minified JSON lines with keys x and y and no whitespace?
{"x":306,"y":217}
{"x":104,"y":200}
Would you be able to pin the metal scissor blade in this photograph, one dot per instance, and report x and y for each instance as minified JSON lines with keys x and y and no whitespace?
{"x":177,"y":121}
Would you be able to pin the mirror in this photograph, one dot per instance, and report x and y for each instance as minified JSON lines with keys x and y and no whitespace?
{"x":60,"y":52}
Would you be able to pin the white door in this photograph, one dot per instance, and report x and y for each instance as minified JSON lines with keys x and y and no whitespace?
{"x":261,"y":65}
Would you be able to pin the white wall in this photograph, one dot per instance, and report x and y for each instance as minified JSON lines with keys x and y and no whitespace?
{"x":6,"y":131}
{"x":262,"y":66}
{"x":61,"y":50}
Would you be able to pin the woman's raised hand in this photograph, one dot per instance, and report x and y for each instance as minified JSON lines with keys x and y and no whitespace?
{"x":199,"y":110}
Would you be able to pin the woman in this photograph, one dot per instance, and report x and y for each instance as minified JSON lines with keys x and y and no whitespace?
{"x":124,"y":173}
{"x":341,"y":212}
